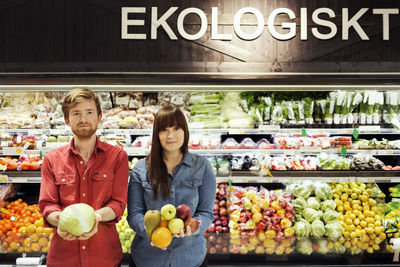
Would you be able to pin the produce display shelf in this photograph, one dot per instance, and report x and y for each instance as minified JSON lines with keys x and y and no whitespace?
{"x":140,"y":151}
{"x":265,"y":129}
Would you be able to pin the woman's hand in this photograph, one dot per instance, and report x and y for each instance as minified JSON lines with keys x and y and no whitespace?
{"x":188,"y":231}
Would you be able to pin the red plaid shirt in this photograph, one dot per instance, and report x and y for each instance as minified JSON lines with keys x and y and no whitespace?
{"x":101,"y":183}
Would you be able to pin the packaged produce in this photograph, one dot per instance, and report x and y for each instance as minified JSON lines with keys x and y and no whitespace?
{"x":247,"y":143}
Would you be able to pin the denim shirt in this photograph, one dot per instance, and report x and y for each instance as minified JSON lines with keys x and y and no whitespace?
{"x":192,"y":183}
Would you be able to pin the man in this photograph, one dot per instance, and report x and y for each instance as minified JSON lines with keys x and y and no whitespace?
{"x":84,"y":171}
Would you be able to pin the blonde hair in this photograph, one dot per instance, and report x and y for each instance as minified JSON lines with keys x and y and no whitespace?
{"x":79,"y":95}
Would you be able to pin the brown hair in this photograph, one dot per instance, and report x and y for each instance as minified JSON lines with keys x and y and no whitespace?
{"x":76,"y":96}
{"x":157,"y":174}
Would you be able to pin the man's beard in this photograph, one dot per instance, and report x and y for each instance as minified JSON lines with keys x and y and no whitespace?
{"x":84,"y":133}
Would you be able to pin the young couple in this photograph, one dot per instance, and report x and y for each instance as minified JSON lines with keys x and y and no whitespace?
{"x":93,"y":172}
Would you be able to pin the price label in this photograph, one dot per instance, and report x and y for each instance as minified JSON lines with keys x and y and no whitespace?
{"x":12,"y":151}
{"x":303,"y":132}
{"x":344,"y":151}
{"x":269,"y":128}
{"x":369,"y":129}
{"x":236,"y":131}
{"x":3,"y":178}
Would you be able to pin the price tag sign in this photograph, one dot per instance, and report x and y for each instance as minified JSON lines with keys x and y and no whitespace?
{"x":344,"y":151}
{"x":355,"y":133}
{"x":269,"y":128}
{"x":303,"y":132}
{"x":370,"y":129}
{"x":3,"y":178}
{"x":12,"y":151}
{"x":236,"y":131}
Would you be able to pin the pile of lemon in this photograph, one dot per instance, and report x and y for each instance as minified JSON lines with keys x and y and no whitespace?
{"x":362,"y":211}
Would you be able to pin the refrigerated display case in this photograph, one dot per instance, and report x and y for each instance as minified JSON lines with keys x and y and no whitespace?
{"x":249,"y":152}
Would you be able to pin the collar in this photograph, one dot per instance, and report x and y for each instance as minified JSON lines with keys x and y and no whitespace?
{"x":99,"y":146}
{"x":188,"y":159}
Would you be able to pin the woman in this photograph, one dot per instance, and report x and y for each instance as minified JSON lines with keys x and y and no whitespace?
{"x":171,"y":174}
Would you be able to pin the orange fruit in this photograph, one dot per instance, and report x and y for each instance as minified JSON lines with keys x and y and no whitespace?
{"x":39,"y":229}
{"x":27,"y":242}
{"x":30,"y":228}
{"x":43,"y":241}
{"x":35,"y":246}
{"x":39,"y":222}
{"x":161,"y":237}
{"x":163,"y":223}
{"x":28,"y":249}
{"x":45,"y":249}
{"x":20,"y":249}
{"x":34,"y":237}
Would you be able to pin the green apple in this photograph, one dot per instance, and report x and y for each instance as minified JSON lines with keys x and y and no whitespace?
{"x":122,"y":236}
{"x":124,"y":249}
{"x":168,"y":211}
{"x":176,"y":225}
{"x":128,"y":231}
{"x":127,"y":243}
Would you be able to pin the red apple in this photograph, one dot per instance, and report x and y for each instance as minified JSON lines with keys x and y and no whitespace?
{"x":211,"y":228}
{"x":212,"y":250}
{"x":183,"y":212}
{"x":193,"y":223}
{"x":222,"y":203}
{"x":223,"y":211}
{"x":218,"y":229}
{"x":225,"y":229}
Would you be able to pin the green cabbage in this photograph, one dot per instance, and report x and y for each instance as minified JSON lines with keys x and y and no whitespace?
{"x":311,"y":214}
{"x":334,"y":230}
{"x":313,"y":203}
{"x":330,"y":216}
{"x":302,"y":228}
{"x":323,"y":246}
{"x":304,"y":246}
{"x":303,"y":191}
{"x":317,"y":229}
{"x":77,"y":219}
{"x":323,"y":191}
{"x":299,"y":204}
{"x":328,"y":204}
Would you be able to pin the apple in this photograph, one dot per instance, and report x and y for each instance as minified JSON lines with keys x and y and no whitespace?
{"x":211,"y":238}
{"x":222,"y":203}
{"x":168,"y":211}
{"x":218,"y":229}
{"x":216,"y":206}
{"x":225,"y":229}
{"x":223,"y":211}
{"x":122,"y":236}
{"x":128,"y":231}
{"x":176,"y":225}
{"x":224,"y":223}
{"x":212,"y":250}
{"x":127,"y":243}
{"x":192,"y":223}
{"x":218,"y":222}
{"x":183,"y":211}
{"x":211,"y":228}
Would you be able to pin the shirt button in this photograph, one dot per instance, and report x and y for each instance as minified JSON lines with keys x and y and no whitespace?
{"x":62,"y":180}
{"x":84,"y":178}
{"x":81,"y":162}
{"x":83,"y":247}
{"x":83,"y":194}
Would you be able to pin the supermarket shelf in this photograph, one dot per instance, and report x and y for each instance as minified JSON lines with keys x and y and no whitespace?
{"x":254,"y":177}
{"x":262,"y":129}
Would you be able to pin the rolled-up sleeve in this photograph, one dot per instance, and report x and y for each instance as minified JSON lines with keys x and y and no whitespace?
{"x":120,"y":185}
{"x":49,"y":196}
{"x":204,"y":211}
{"x":136,"y":203}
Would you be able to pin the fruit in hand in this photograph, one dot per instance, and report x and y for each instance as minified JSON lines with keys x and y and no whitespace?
{"x":152,"y":220}
{"x":168,"y":211}
{"x":193,"y":223}
{"x":161,"y":237}
{"x":183,"y":211}
{"x":176,"y":225}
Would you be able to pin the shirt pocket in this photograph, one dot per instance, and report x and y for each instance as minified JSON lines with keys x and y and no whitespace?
{"x":102,"y":188}
{"x":190,"y":192}
{"x":66,"y":183}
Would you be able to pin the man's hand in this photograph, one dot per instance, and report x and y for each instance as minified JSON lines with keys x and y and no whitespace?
{"x":65,"y":235}
{"x":85,"y":236}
